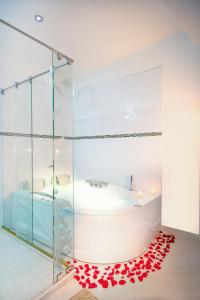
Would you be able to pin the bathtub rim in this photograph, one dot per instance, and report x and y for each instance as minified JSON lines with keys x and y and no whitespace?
{"x":110,"y":213}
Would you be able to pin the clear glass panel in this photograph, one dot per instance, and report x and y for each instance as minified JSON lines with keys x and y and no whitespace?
{"x":63,"y":167}
{"x":42,"y":163}
{"x":18,"y":162}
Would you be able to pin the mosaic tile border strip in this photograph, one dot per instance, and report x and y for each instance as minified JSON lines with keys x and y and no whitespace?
{"x":121,"y":135}
{"x":86,"y":137}
{"x":18,"y":134}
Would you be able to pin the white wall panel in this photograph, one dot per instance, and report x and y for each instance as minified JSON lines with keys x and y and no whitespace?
{"x":180,"y":59}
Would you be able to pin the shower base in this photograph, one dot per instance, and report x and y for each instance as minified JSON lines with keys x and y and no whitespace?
{"x":24,"y":271}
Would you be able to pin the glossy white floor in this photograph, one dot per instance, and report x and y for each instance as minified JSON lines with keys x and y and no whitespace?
{"x":24,"y":272}
{"x":179,"y":278}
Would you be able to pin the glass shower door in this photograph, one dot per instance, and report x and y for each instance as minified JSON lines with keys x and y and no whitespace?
{"x":63,"y":166}
{"x":36,"y":176}
{"x":37,"y":158}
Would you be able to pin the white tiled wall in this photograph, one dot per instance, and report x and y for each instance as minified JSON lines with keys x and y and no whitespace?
{"x":125,"y":105}
{"x":131,"y":104}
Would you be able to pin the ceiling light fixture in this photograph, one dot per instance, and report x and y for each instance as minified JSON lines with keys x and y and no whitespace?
{"x":38,"y":18}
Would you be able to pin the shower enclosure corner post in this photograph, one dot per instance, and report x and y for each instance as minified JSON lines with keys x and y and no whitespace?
{"x":32,"y":158}
{"x":62,"y":128}
{"x":53,"y":171}
{"x":1,"y":160}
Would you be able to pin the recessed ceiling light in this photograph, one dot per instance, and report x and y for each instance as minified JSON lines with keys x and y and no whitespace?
{"x":38,"y":18}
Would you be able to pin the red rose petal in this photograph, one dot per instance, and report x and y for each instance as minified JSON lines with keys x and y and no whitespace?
{"x":117,"y":266}
{"x":105,"y":284}
{"x":77,"y":277}
{"x":140,"y":278}
{"x":94,"y":267}
{"x":141,"y":262}
{"x":132,"y":280}
{"x":113,"y":282}
{"x":92,"y":285}
{"x":157,"y":266}
{"x":88,"y":280}
{"x":122,"y":282}
{"x":141,"y":266}
{"x":138,"y":272}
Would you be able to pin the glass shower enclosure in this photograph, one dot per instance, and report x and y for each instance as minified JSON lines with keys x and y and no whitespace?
{"x":36,"y":147}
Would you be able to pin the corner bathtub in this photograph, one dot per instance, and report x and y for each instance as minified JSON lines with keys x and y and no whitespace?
{"x":118,"y":233}
{"x":110,"y":224}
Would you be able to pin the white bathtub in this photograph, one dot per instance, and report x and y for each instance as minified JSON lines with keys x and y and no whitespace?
{"x":109,"y":231}
{"x":110,"y":224}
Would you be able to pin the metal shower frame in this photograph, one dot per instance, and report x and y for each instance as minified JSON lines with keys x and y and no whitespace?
{"x":60,"y":55}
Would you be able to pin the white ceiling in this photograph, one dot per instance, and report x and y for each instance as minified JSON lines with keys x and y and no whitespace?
{"x":93,"y":32}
